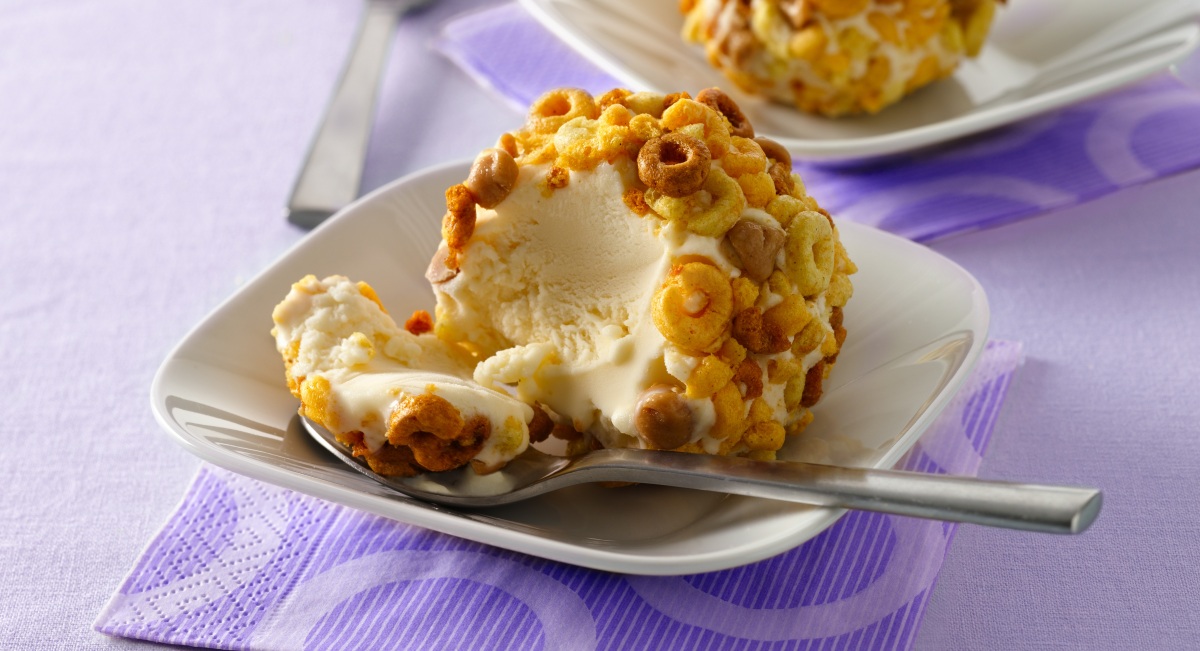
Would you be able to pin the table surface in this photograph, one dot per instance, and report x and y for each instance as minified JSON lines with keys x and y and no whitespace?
{"x":147,"y":149}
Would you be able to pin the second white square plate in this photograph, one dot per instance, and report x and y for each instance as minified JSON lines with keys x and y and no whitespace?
{"x":1041,"y":55}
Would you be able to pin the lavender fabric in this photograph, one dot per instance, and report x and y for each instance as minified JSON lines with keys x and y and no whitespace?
{"x":1052,"y":161}
{"x":247,"y":565}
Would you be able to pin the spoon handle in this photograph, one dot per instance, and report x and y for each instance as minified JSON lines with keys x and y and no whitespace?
{"x":1029,"y":507}
{"x":330,"y":176}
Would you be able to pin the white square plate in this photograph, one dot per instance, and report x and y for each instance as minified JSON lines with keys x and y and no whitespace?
{"x":1041,"y":55}
{"x":917,"y":323}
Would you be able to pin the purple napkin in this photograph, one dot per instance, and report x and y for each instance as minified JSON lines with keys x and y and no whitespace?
{"x":247,"y":565}
{"x":1056,"y":160}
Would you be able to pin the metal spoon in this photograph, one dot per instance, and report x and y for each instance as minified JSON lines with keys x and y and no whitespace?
{"x":330,"y":176}
{"x":1029,"y":507}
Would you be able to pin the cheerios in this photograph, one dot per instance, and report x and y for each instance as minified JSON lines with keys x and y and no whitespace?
{"x":693,"y":307}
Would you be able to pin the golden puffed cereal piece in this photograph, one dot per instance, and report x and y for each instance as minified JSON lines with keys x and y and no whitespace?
{"x":316,"y":401}
{"x":809,"y":246}
{"x":728,"y":409}
{"x":731,"y":352}
{"x":745,"y":156}
{"x":647,"y":102}
{"x":582,"y":144}
{"x":710,"y":374}
{"x":809,"y":338}
{"x":615,"y":115}
{"x":557,"y":107}
{"x":778,"y":283}
{"x":459,"y":222}
{"x":758,"y":188}
{"x":645,"y":127}
{"x":765,"y":435}
{"x":782,"y":370}
{"x":745,"y":293}
{"x":840,"y":290}
{"x":713,"y":127}
{"x":711,"y":214}
{"x":577,"y":144}
{"x":693,"y":307}
{"x":531,"y":148}
{"x":789,"y":316}
{"x":784,"y":208}
{"x":793,"y":391}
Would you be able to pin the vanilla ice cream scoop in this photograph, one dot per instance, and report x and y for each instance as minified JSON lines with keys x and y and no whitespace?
{"x":646,"y":272}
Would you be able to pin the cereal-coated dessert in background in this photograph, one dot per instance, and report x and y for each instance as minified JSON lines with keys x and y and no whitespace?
{"x":402,"y":400}
{"x":837,"y":57}
{"x":646,"y":273}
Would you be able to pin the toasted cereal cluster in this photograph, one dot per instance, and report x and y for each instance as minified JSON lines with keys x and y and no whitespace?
{"x":749,"y":331}
{"x":396,"y":398}
{"x":837,"y":57}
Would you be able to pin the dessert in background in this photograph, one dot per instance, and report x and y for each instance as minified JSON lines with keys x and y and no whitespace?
{"x":646,"y":271}
{"x":631,"y":270}
{"x":837,"y":57}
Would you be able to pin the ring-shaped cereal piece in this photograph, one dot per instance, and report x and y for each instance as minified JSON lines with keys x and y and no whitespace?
{"x":674,"y":164}
{"x":688,"y":111}
{"x":712,"y":219}
{"x":716,"y":99}
{"x":559,"y":106}
{"x":809,"y":252}
{"x":693,"y":307}
{"x":745,"y":156}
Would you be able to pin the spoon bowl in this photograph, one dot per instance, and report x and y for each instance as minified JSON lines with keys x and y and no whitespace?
{"x":1029,"y":507}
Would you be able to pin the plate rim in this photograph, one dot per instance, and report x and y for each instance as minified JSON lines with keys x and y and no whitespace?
{"x":463,"y":523}
{"x":869,"y":148}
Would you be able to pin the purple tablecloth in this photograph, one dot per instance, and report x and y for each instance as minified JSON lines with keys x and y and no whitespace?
{"x":146,"y":149}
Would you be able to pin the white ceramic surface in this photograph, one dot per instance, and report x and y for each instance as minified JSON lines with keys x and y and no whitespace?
{"x":1041,"y":55}
{"x":917,"y":323}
